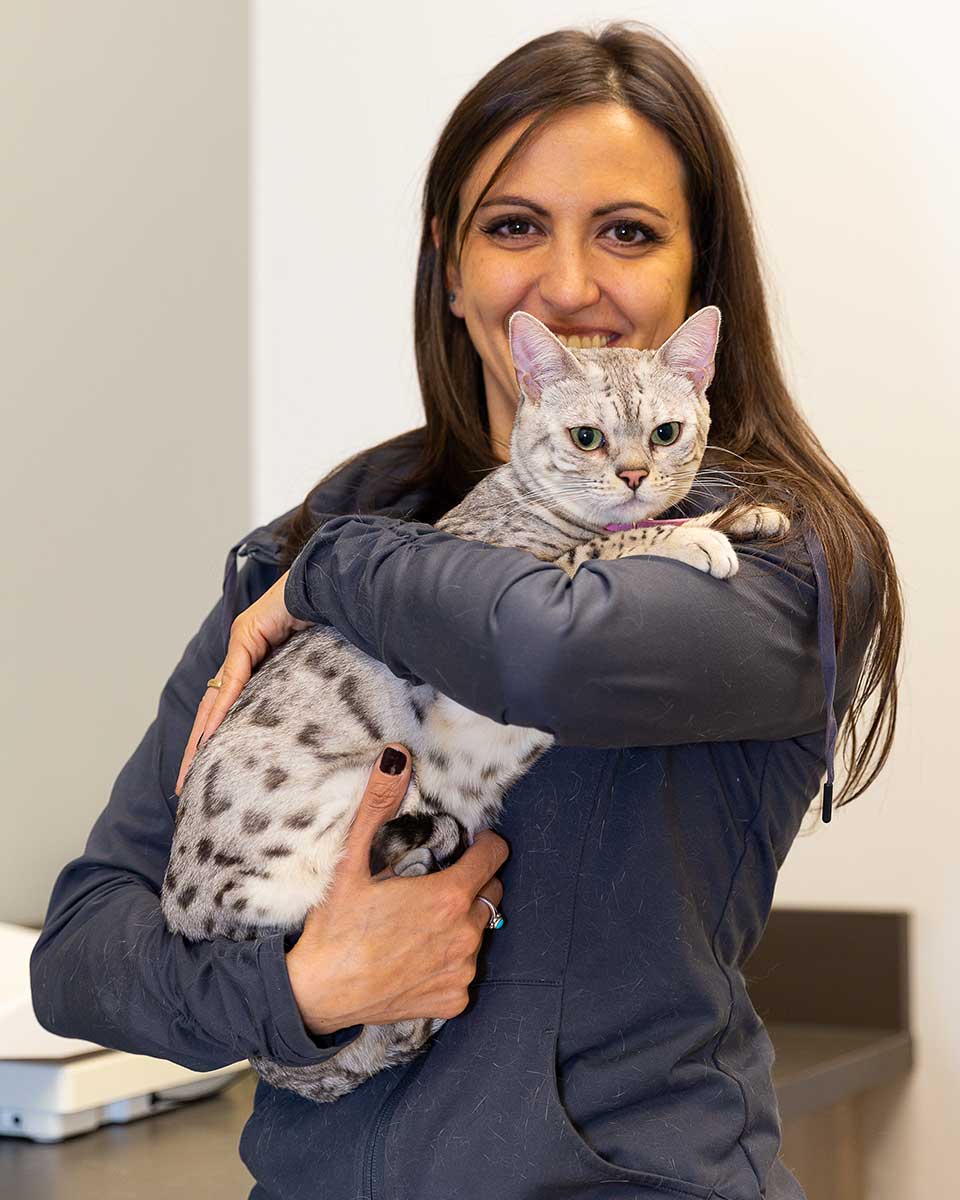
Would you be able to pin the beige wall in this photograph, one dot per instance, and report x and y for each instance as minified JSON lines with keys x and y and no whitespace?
{"x":846,"y":119}
{"x":124,"y":386}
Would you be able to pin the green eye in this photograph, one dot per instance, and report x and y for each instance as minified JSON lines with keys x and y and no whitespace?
{"x":666,"y":434}
{"x":587,"y":437}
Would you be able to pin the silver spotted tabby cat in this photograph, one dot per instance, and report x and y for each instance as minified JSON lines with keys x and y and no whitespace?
{"x":603,"y":439}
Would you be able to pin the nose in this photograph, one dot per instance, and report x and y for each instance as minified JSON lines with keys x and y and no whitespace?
{"x":632,"y":478}
{"x":565,"y":281}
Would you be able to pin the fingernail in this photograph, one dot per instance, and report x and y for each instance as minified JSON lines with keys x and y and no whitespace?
{"x":392,"y":762}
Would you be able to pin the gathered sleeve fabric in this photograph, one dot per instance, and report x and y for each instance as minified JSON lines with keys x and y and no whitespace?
{"x":106,"y":969}
{"x":640,"y":651}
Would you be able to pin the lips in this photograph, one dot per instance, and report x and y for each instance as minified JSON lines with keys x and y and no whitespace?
{"x":579,"y":330}
{"x":610,"y":333}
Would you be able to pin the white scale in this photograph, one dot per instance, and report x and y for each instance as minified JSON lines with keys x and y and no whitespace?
{"x":53,"y":1088}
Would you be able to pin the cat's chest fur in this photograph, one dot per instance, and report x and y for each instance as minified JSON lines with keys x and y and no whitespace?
{"x":467,"y":761}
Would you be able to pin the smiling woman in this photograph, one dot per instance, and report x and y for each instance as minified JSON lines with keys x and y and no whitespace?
{"x":569,"y":265}
{"x":532,"y":201}
{"x":607,"y":1045}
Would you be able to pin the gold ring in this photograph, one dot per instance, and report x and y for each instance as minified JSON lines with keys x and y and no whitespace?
{"x":217,"y":683}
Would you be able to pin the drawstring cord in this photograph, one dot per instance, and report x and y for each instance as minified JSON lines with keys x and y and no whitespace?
{"x":826,"y":637}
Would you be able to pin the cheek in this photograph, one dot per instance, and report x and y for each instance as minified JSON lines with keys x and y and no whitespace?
{"x":653,"y":297}
{"x":490,"y":283}
{"x":656,"y":299}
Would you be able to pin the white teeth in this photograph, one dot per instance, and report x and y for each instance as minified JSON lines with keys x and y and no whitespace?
{"x":578,"y":342}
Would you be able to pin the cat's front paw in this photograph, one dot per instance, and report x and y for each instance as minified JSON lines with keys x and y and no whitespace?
{"x":705,"y":549}
{"x":760,"y":521}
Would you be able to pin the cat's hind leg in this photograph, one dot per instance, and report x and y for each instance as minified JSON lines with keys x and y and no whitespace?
{"x":757,"y":521}
{"x":416,"y":843}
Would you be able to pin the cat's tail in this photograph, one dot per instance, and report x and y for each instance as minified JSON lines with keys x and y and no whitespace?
{"x":376,"y":1047}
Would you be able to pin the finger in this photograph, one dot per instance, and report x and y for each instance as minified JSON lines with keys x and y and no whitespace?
{"x":478,"y":911}
{"x":477,"y":863}
{"x":199,"y":724}
{"x":493,"y":890}
{"x":266,"y":623}
{"x":216,"y":703}
{"x":379,"y":803}
{"x":234,"y":676}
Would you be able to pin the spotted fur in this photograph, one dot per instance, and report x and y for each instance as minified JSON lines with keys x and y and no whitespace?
{"x":269,"y":798}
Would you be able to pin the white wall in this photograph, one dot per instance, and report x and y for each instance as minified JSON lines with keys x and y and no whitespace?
{"x":845,"y":117}
{"x":123,"y":386}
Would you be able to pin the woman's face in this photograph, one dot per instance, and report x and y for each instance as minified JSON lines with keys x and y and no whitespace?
{"x":626,"y":271}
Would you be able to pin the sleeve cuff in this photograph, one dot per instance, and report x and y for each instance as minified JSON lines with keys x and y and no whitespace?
{"x":300,"y":1047}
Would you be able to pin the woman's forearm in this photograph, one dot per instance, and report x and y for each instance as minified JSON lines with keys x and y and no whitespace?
{"x":633,"y":652}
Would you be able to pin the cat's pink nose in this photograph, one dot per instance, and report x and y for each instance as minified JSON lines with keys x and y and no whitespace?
{"x":632,"y":478}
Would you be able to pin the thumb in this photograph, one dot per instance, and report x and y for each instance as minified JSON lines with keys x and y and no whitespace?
{"x":381,"y":798}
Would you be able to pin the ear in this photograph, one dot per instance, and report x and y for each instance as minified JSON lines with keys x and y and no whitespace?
{"x":691,"y":350}
{"x":451,"y":274}
{"x":539,"y":358}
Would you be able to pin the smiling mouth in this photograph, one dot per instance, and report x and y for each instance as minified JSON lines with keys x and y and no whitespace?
{"x":580,"y":341}
{"x":598,"y":339}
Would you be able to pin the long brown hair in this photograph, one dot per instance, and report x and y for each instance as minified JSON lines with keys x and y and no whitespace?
{"x":767,"y":446}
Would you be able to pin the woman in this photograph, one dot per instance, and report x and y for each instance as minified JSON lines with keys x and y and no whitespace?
{"x":607,"y":1046}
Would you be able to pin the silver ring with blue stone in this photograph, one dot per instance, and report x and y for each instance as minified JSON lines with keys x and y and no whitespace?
{"x":496,"y":918}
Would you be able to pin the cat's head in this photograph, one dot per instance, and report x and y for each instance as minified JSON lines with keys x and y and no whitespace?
{"x":593,"y":423}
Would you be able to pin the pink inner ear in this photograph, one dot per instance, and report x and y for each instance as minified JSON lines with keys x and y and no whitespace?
{"x":530,"y":387}
{"x":538,"y":358}
{"x":691,"y":350}
{"x":700,"y":377}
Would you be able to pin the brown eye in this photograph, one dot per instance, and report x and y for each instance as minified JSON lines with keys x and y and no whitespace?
{"x":587,"y":437}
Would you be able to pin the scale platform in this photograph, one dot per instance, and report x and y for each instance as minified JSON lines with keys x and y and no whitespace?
{"x":53,"y":1087}
{"x":48,"y":1101}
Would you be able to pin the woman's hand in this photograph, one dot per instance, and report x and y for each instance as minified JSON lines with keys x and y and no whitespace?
{"x":265,"y":624}
{"x":386,"y":948}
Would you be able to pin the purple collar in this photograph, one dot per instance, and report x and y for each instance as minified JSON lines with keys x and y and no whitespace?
{"x":645,"y":524}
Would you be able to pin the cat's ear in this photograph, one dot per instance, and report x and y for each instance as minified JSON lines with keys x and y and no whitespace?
{"x":691,"y":350}
{"x":539,"y":357}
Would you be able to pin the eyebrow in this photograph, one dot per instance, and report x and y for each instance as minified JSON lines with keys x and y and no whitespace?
{"x":597,"y":212}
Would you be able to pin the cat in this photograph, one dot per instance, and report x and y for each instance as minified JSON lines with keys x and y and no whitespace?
{"x":603,"y":439}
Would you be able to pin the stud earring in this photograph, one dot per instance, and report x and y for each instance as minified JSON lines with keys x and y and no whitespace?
{"x":451,"y":296}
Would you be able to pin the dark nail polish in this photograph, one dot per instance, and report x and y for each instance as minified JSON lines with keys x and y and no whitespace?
{"x":392,"y":762}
